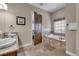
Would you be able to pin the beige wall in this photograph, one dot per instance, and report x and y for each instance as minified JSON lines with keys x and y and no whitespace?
{"x":23,"y":31}
{"x":2,"y":20}
{"x":77,"y":32}
{"x":70,"y":13}
{"x":70,"y":35}
{"x":25,"y":10}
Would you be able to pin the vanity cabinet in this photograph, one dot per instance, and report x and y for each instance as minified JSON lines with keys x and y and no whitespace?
{"x":12,"y":49}
{"x":10,"y":54}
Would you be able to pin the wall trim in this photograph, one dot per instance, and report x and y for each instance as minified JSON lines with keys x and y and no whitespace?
{"x":70,"y":53}
{"x":25,"y":45}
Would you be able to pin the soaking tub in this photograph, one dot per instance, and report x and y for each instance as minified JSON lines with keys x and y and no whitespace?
{"x":56,"y":37}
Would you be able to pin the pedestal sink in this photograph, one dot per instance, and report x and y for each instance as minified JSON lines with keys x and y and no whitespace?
{"x":6,"y":42}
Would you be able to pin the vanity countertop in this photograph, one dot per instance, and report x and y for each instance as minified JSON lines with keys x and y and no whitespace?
{"x":11,"y":48}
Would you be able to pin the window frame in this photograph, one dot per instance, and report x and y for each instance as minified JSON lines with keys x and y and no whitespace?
{"x":59,"y":19}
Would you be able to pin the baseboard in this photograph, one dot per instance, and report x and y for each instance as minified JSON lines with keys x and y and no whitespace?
{"x":29,"y":44}
{"x":70,"y":53}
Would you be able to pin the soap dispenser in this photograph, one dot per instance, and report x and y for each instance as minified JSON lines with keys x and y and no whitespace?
{"x":11,"y":31}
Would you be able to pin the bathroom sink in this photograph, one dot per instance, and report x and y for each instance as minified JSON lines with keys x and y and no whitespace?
{"x":6,"y":42}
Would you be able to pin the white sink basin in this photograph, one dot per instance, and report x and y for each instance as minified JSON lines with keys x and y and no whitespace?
{"x":4,"y":43}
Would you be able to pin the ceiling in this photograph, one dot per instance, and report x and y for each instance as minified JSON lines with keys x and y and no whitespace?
{"x":50,"y":7}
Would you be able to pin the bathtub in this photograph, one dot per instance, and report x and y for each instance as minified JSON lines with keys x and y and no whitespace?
{"x":56,"y":37}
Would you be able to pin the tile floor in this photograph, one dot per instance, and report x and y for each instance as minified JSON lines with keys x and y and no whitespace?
{"x":44,"y":50}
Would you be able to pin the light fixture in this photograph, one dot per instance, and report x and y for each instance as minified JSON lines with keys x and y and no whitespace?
{"x":3,"y":6}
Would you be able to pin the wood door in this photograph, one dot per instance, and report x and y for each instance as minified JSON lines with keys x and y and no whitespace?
{"x":37,"y":29}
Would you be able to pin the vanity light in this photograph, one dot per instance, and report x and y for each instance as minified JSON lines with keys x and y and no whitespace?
{"x":3,"y":6}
